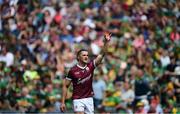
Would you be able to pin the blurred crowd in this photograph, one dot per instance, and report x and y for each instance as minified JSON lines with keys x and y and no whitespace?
{"x":39,"y":40}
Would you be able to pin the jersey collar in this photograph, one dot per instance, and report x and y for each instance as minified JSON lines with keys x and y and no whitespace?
{"x":81,"y":66}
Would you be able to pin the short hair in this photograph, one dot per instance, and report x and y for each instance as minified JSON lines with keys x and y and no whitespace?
{"x":79,"y":52}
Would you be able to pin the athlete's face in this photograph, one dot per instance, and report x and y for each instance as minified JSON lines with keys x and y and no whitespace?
{"x":83,"y":57}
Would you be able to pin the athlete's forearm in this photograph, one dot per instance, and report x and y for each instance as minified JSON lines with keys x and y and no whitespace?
{"x":64,"y":93}
{"x":104,"y":49}
{"x":99,"y":58}
{"x":103,"y":52}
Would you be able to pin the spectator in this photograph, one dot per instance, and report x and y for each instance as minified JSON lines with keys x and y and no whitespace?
{"x":142,"y":88}
{"x":99,"y":87}
{"x":7,"y":57}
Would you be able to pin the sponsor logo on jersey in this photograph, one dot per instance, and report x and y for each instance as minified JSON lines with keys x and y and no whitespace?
{"x":83,"y":80}
{"x":76,"y":73}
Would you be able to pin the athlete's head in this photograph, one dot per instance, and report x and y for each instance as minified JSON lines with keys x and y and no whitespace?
{"x":82,"y":56}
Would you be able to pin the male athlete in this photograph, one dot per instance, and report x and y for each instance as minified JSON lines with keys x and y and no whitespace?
{"x":81,"y":76}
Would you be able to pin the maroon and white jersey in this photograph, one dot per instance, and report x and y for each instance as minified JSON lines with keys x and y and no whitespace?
{"x":82,"y":78}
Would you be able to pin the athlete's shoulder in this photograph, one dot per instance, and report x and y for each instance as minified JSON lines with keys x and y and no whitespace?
{"x":92,"y":63}
{"x":73,"y":68}
{"x":71,"y":71}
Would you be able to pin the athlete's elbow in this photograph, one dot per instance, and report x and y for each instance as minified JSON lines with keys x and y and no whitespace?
{"x":99,"y":62}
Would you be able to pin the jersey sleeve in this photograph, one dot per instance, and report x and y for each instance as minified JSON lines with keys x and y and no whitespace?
{"x":92,"y":65}
{"x":69,"y":76}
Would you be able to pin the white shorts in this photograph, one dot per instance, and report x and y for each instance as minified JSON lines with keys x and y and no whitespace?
{"x":84,"y":105}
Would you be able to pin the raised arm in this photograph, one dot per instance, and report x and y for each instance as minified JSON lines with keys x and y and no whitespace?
{"x":98,"y":59}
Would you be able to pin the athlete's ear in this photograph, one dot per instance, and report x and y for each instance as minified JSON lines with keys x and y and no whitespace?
{"x":77,"y":58}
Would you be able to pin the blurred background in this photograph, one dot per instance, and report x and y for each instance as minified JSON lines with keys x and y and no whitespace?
{"x":39,"y":40}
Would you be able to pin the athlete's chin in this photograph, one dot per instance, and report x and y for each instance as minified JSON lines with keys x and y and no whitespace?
{"x":86,"y":61}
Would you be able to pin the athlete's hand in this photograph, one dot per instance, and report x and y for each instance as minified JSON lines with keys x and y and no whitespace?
{"x":107,"y":36}
{"x":63,"y":107}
